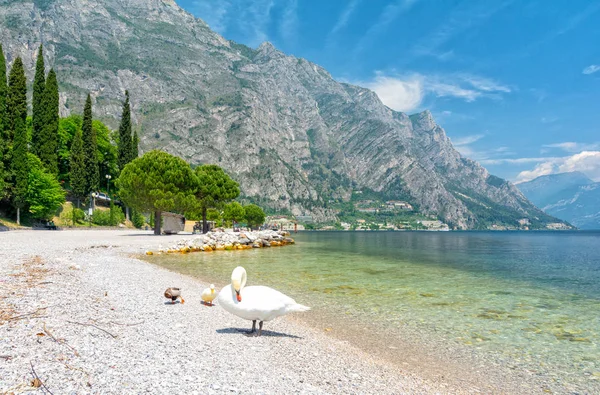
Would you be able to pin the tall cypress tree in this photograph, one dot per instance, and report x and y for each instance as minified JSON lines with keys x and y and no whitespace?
{"x":135,"y":143}
{"x":90,"y":147}
{"x":3,"y":142}
{"x":78,"y":174}
{"x":124,"y":149}
{"x":20,"y":166}
{"x":16,"y":138}
{"x":39,"y":85}
{"x":16,"y":101}
{"x":48,"y":138}
{"x":3,"y":93}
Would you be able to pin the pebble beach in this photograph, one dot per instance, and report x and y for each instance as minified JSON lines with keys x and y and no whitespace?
{"x":80,"y":313}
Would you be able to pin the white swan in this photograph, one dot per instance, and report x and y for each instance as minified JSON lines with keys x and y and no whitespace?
{"x":256,"y":303}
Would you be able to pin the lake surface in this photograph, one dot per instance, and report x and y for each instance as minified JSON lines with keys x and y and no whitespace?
{"x":531,"y":298}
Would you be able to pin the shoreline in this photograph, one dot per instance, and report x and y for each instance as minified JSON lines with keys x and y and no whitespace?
{"x":90,"y":288}
{"x":109,"y":288}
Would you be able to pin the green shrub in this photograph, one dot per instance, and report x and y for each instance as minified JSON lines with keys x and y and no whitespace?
{"x":138,"y":219}
{"x":101,"y":217}
{"x":78,"y":216}
{"x":112,"y":217}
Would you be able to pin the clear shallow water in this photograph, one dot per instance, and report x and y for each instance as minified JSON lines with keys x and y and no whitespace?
{"x":531,"y":297}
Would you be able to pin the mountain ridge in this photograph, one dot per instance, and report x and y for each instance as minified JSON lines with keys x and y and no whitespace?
{"x":295,"y":149}
{"x":572,"y":197}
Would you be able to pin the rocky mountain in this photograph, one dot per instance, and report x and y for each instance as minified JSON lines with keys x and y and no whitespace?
{"x":295,"y":139}
{"x":572,"y":197}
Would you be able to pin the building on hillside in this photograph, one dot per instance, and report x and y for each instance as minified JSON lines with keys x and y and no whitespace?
{"x":398,"y":205}
{"x":368,"y":210}
{"x":307,"y":219}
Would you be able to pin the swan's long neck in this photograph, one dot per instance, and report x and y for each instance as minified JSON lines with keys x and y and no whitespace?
{"x":238,"y":279}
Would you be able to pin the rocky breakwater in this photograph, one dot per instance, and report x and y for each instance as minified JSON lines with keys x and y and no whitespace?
{"x":229,"y":241}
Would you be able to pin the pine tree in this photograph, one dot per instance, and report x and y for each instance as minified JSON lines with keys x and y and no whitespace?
{"x":48,"y":138}
{"x":90,"y":147}
{"x":39,"y":85}
{"x":135,"y":143}
{"x":20,"y":167}
{"x":3,"y":141}
{"x":125,"y":149}
{"x":78,"y":172}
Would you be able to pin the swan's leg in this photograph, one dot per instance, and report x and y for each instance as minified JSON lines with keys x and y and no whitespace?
{"x":253,"y":330}
{"x":260,"y":328}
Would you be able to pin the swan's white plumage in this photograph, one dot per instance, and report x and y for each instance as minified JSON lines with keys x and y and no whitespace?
{"x":258,"y":302}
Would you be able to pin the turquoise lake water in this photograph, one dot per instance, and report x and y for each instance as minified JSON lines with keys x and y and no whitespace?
{"x":531,"y":297}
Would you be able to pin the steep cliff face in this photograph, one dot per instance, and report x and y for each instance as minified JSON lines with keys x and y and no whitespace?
{"x":292,"y":136}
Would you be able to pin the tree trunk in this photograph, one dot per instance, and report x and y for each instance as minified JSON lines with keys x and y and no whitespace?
{"x":127,"y":213}
{"x":18,"y":216}
{"x":157,"y":220}
{"x":204,"y":223}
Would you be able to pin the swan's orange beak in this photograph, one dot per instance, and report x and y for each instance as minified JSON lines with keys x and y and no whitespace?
{"x":239,"y":297}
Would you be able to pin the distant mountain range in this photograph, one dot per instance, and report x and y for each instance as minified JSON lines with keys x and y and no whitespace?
{"x":298,"y":141}
{"x":572,"y":197}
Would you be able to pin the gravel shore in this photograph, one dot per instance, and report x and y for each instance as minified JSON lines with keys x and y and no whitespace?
{"x":88,"y":317}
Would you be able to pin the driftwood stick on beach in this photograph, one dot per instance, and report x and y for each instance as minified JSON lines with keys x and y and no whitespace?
{"x":95,"y":326}
{"x":37,"y":382}
{"x":22,"y":316}
{"x":59,"y":341}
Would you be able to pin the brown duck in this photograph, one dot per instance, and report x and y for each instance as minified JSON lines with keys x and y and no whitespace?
{"x":173,"y":294}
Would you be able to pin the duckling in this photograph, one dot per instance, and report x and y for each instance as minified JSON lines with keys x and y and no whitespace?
{"x":208,"y":295}
{"x":173,"y":294}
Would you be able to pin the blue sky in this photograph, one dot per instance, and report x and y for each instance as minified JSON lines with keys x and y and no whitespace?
{"x":516,"y":84}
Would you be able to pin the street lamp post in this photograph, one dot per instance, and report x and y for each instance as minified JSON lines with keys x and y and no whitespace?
{"x":91,"y":210}
{"x":108,"y":177}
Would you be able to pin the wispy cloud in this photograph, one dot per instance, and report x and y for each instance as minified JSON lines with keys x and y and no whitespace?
{"x":570,"y":146}
{"x":551,"y":119}
{"x":515,"y":161}
{"x":250,"y":18}
{"x":407,"y":92}
{"x":587,"y":162}
{"x":569,"y":25}
{"x":464,"y":17}
{"x":466,"y":140}
{"x":288,"y":27}
{"x":344,"y":17}
{"x":464,"y":145}
{"x":387,"y":16}
{"x":213,"y":13}
{"x":591,"y":69}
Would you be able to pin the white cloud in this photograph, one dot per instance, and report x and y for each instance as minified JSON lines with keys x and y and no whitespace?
{"x":465,"y":140}
{"x":485,"y":84}
{"x":587,"y":162}
{"x":570,"y":146}
{"x":400,"y":95}
{"x":541,"y":169}
{"x":591,"y":69}
{"x":515,"y":161}
{"x":407,"y":92}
